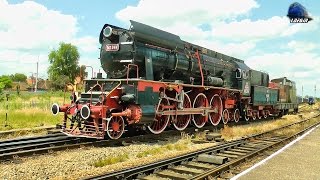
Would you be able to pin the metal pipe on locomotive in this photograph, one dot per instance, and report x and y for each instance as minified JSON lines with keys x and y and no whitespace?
{"x":155,"y":79}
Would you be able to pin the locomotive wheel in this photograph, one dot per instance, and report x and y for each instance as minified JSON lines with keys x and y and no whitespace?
{"x":200,"y":101}
{"x":115,"y":127}
{"x":183,"y":121}
{"x":254,"y":115}
{"x":216,"y":105}
{"x":236,"y":115}
{"x":225,"y":116}
{"x":259,"y":116}
{"x":265,"y":114}
{"x":246,"y":117}
{"x":160,"y":121}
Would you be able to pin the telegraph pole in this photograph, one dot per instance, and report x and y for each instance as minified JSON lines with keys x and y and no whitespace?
{"x":315,"y":91}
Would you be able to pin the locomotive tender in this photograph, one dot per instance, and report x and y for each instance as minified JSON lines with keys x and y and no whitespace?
{"x":155,"y":79}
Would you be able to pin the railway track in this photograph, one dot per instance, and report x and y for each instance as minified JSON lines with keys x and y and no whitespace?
{"x":11,"y":149}
{"x":57,"y":141}
{"x":207,"y":163}
{"x":34,"y":145}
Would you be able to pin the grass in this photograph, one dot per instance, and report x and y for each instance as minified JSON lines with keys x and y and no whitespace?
{"x":29,"y":100}
{"x":29,"y":110}
{"x":111,"y":160}
{"x":179,"y":146}
{"x":154,"y":151}
{"x":28,"y":118}
{"x":230,"y":133}
{"x":296,"y":128}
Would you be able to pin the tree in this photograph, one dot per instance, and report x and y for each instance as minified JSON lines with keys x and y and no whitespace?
{"x":60,"y":82}
{"x":1,"y":91}
{"x":81,"y":72}
{"x":18,"y":77}
{"x":1,"y":87}
{"x":5,"y":81}
{"x":63,"y":65}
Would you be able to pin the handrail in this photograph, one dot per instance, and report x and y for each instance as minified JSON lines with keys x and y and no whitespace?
{"x":101,"y":87}
{"x":200,"y":67}
{"x":92,"y":89}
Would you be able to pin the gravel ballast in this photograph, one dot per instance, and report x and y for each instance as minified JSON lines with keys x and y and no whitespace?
{"x":74,"y":164}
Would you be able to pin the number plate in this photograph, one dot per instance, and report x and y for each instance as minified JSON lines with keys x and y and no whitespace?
{"x":112,"y":47}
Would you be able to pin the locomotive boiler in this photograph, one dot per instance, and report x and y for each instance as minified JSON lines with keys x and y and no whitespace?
{"x":155,"y":80}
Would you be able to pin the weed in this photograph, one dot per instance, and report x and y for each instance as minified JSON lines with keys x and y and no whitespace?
{"x":227,"y":132}
{"x":200,"y":135}
{"x":179,"y":146}
{"x":111,"y":160}
{"x":186,"y":136}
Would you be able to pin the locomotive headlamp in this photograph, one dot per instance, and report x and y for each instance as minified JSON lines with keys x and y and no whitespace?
{"x":107,"y":31}
{"x":55,"y":109}
{"x":85,"y":112}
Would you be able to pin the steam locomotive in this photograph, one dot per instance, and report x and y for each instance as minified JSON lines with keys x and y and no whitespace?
{"x":155,"y":80}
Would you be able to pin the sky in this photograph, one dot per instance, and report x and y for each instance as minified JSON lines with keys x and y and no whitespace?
{"x":257,"y":32}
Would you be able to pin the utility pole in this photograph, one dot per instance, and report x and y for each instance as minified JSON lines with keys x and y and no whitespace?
{"x":315,"y":91}
{"x":36,"y":86}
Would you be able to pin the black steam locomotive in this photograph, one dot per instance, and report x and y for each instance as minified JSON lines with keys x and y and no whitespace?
{"x":155,"y":79}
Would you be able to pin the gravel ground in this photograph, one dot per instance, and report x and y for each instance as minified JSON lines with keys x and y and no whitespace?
{"x":73,"y":164}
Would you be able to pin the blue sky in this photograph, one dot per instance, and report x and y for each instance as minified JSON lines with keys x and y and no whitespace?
{"x":256,"y":31}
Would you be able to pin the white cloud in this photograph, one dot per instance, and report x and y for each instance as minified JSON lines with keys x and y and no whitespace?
{"x":86,"y":44}
{"x":224,"y":33}
{"x":187,"y":31}
{"x":302,"y":67}
{"x":29,"y":30}
{"x":187,"y":20}
{"x":261,"y":29}
{"x":30,"y":25}
{"x":301,"y":46}
{"x":238,"y":50}
{"x":167,"y":12}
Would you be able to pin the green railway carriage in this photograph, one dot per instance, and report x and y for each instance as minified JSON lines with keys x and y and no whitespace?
{"x":264,"y":96}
